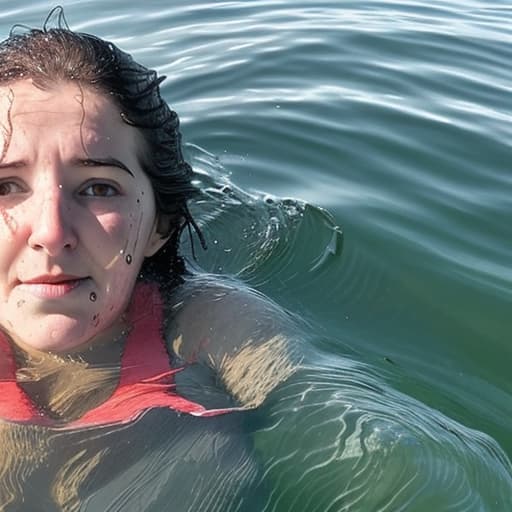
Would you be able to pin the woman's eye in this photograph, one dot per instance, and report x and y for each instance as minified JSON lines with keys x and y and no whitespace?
{"x":9,"y":187}
{"x":100,"y":190}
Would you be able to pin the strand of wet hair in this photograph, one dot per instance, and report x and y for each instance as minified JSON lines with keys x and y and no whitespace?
{"x":56,"y":12}
{"x":191,"y":223}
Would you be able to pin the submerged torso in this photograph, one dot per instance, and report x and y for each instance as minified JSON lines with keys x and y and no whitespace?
{"x":119,"y":436}
{"x":197,"y":464}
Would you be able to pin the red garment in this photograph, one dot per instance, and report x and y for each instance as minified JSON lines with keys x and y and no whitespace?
{"x":146,"y":378}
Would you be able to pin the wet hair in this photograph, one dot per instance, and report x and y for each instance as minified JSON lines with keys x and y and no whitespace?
{"x":52,"y":55}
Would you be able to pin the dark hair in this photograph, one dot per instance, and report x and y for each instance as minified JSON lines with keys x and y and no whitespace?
{"x":50,"y":55}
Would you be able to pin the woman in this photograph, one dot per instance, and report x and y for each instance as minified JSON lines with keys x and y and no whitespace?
{"x":93,"y":200}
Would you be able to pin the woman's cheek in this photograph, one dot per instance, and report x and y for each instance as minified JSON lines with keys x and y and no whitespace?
{"x":119,"y":262}
{"x":113,"y":223}
{"x":116,"y":231}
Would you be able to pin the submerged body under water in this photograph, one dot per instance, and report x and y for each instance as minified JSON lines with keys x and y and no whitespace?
{"x":332,"y":438}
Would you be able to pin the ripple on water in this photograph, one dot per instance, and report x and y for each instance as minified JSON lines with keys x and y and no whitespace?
{"x":259,"y":237}
{"x":335,"y":438}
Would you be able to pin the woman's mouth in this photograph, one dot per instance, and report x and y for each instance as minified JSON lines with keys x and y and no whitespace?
{"x":51,"y":287}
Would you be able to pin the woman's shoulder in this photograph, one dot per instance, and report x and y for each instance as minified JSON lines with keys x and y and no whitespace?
{"x":249,"y":341}
{"x":218,"y":300}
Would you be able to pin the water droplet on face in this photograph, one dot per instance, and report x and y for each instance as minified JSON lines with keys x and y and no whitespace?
{"x":121,"y":251}
{"x":93,"y":297}
{"x":128,"y":259}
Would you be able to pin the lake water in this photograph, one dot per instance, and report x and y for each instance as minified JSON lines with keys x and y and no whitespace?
{"x":355,"y":161}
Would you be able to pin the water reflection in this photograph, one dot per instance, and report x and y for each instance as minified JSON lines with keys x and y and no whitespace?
{"x":336,"y":438}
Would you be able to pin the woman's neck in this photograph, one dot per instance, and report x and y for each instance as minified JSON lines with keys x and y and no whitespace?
{"x":65,"y":386}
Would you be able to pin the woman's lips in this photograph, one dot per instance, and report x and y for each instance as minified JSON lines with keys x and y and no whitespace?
{"x":51,"y":290}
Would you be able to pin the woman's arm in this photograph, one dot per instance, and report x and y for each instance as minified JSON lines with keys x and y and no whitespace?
{"x":249,"y":342}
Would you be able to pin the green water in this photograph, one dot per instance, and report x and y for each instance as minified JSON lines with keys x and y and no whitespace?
{"x":355,"y":158}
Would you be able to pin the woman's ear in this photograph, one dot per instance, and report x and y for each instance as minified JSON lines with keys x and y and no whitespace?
{"x":163,"y":228}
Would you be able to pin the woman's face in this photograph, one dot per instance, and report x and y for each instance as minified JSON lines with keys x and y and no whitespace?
{"x":77,"y":215}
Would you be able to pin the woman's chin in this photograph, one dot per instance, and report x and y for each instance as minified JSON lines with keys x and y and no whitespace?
{"x":71,"y":337}
{"x":57,"y":338}
{"x":56,"y":346}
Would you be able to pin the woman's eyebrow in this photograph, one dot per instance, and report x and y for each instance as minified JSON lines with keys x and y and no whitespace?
{"x":104,"y":162}
{"x":84,"y":162}
{"x":12,"y":165}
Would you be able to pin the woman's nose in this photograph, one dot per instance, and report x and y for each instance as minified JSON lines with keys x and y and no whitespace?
{"x":52,"y":226}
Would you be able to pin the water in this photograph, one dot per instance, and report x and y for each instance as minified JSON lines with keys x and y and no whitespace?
{"x":360,"y":152}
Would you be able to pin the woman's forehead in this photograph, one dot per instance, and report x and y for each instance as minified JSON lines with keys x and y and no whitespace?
{"x":23,"y":98}
{"x":63,"y":109}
